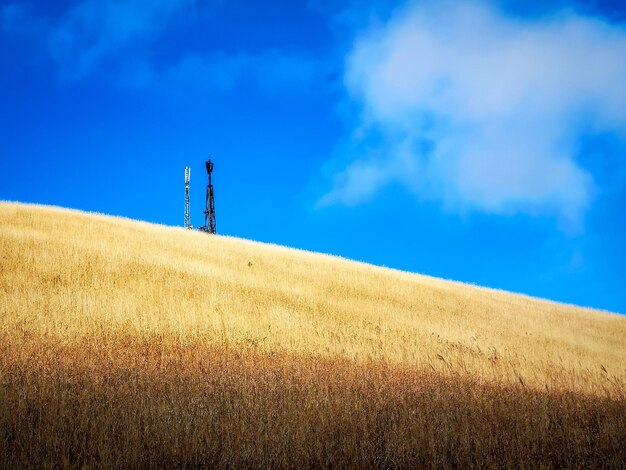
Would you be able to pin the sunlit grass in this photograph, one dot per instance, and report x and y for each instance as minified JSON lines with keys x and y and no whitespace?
{"x":125,"y":343}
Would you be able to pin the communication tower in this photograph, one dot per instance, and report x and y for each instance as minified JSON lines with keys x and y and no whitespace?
{"x":187,"y":203}
{"x":209,"y":212}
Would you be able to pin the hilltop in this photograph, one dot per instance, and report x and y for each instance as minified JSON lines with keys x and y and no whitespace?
{"x":128,"y":343}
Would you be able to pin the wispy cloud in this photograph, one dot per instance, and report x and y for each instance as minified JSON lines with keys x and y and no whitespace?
{"x":17,"y":18}
{"x":96,"y":34}
{"x":13,"y":15}
{"x":481,"y":110}
{"x":194,"y":74}
{"x":93,"y":31}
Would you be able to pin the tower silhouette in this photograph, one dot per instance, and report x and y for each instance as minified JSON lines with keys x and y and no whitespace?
{"x":209,"y":212}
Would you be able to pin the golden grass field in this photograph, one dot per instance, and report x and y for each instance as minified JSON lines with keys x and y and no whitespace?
{"x":129,"y":344}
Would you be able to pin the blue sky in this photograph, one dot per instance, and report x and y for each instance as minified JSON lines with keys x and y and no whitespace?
{"x":481,"y":141}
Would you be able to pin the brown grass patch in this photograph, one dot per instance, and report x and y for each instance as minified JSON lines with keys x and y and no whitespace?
{"x":126,"y":404}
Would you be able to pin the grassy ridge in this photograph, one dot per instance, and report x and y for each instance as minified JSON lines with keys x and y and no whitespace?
{"x":125,"y":343}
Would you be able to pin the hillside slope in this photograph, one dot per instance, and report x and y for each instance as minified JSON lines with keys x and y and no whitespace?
{"x":68,"y":275}
{"x":94,"y":309}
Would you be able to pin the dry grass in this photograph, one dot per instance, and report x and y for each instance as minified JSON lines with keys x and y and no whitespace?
{"x":130,"y":344}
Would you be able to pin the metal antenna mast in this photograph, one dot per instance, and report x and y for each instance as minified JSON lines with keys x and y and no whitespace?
{"x":187,"y":204}
{"x":209,"y":213}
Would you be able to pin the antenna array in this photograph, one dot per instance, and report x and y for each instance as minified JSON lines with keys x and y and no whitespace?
{"x":187,"y":203}
{"x":209,"y":212}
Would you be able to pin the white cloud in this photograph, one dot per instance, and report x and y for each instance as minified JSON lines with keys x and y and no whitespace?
{"x":94,"y":30}
{"x":501,"y":103}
